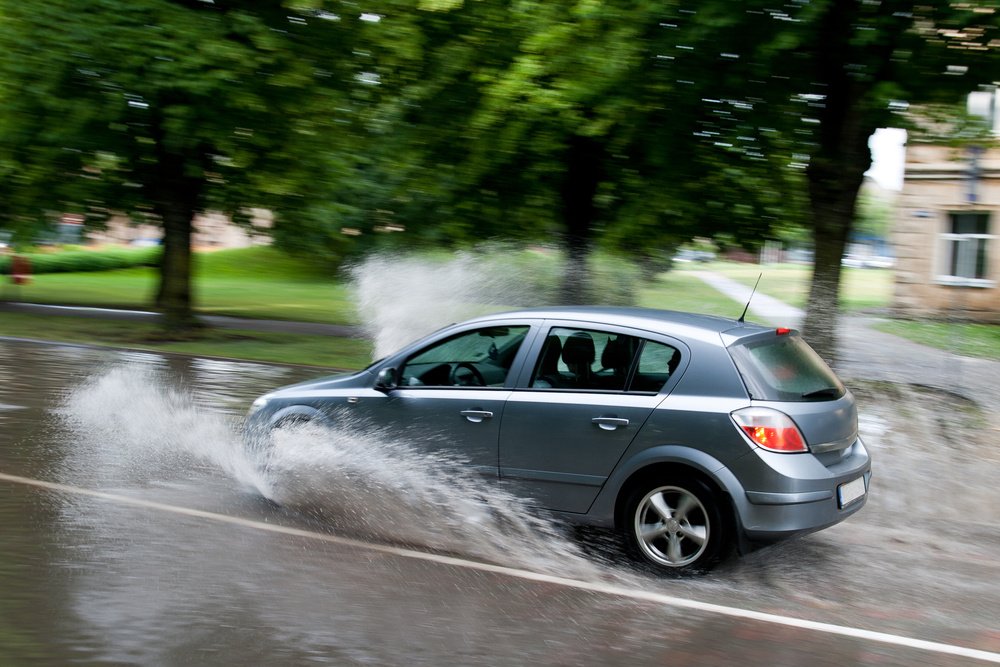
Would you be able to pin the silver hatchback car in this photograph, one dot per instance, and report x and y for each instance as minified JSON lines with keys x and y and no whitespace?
{"x":691,"y":435}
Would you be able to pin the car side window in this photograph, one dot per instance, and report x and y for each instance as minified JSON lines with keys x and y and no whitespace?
{"x":584,"y":359}
{"x":657,"y":362}
{"x":478,"y":358}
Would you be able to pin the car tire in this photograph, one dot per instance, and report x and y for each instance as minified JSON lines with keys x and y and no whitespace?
{"x":675,"y":525}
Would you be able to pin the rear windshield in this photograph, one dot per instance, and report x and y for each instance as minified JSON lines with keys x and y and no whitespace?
{"x":785,"y":368}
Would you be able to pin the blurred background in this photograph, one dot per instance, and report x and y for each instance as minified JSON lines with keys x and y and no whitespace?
{"x":593,"y":147}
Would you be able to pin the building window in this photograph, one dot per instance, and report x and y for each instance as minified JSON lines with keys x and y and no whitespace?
{"x":966,"y":245}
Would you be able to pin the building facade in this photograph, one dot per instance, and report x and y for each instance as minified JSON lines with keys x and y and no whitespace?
{"x":947,"y":234}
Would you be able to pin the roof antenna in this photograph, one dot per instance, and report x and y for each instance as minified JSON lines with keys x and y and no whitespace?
{"x":752,"y":292}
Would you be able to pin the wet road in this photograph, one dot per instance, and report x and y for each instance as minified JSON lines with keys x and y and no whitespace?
{"x":130,"y":533}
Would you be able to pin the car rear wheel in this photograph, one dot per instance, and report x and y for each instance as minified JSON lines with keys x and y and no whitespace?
{"x":675,"y":525}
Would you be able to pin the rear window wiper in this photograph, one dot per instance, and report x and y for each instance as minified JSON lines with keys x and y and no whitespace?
{"x":825,"y":392}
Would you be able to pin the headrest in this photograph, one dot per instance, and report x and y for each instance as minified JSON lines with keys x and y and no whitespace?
{"x":579,"y":349}
{"x":615,"y":355}
{"x":550,"y":356}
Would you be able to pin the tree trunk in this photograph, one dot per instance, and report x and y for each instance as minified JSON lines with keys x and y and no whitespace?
{"x":176,"y":196}
{"x":173,"y":297}
{"x":583,"y":174}
{"x":834,"y":183}
{"x":835,"y":174}
{"x":831,"y":229}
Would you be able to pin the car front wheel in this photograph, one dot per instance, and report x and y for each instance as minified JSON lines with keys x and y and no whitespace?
{"x":675,"y":526}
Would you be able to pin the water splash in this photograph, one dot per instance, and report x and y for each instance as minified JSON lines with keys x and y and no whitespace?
{"x":403,"y":297}
{"x":393,"y":491}
{"x":130,"y":427}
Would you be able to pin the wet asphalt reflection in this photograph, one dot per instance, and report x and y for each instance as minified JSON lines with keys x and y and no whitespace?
{"x":95,"y":580}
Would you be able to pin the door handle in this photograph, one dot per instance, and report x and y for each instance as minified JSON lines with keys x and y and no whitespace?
{"x":477,"y":416}
{"x":609,"y":423}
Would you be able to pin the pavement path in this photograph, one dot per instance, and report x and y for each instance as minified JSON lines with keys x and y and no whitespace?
{"x":220,"y":321}
{"x":761,"y":304}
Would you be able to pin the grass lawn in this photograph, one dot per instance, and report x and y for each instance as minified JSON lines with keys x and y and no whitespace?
{"x":253,"y":282}
{"x":974,"y":340}
{"x":682,"y":290}
{"x":309,"y":350}
{"x":861,"y":289}
{"x":267,"y":284}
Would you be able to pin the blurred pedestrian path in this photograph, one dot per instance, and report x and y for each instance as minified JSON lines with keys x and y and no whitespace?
{"x":220,"y":321}
{"x":761,"y":305}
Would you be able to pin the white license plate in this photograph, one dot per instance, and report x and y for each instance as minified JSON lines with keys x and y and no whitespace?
{"x":851,"y":491}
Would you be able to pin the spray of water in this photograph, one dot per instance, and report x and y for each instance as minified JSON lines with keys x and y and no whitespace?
{"x":129,"y":426}
{"x":393,"y":490}
{"x":403,"y":297}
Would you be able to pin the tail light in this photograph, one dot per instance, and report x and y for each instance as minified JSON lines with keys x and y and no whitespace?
{"x":772,"y":430}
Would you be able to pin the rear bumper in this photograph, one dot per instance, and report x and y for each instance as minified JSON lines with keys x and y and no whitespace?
{"x":802,"y":496}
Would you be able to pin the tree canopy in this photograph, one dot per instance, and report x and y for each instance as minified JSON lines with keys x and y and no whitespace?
{"x":164,"y":109}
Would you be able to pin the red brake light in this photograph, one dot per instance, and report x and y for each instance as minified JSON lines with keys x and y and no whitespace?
{"x":782,"y":331}
{"x":770,"y":429}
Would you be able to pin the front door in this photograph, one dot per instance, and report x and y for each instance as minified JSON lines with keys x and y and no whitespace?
{"x":451,"y":396}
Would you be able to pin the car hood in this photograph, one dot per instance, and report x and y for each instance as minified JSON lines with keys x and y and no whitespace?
{"x":345,"y":381}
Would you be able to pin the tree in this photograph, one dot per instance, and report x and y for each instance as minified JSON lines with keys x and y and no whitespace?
{"x":827,"y":74}
{"x":164,"y":109}
{"x":547,"y":119}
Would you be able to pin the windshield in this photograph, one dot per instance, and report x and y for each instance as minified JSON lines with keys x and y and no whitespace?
{"x":785,"y":368}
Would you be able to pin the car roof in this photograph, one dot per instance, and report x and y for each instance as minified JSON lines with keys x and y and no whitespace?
{"x":670,"y":322}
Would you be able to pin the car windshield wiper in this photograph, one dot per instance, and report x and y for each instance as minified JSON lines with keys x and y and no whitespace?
{"x":825,"y":392}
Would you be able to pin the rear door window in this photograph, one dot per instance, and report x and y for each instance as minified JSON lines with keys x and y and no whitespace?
{"x":584,"y":359}
{"x":587,"y":359}
{"x":785,"y":368}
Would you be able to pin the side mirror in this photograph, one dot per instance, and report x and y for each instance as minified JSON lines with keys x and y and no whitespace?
{"x":386,"y":380}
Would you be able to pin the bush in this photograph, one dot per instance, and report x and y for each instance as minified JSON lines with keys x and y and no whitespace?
{"x":76,"y":260}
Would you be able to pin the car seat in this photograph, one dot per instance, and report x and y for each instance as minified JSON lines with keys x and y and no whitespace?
{"x":548,"y":374}
{"x":578,"y":354}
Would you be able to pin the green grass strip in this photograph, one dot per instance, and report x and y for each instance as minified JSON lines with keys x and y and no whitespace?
{"x":284,"y":348}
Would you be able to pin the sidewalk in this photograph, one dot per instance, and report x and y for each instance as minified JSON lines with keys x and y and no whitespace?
{"x":867,"y":354}
{"x":220,"y":321}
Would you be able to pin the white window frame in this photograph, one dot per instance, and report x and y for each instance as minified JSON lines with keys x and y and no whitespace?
{"x":969,"y":245}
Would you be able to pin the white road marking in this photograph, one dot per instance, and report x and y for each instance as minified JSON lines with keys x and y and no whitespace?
{"x":589,"y":586}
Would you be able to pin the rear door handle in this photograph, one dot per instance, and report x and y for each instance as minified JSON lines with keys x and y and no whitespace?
{"x":609,"y":423}
{"x":476,"y":416}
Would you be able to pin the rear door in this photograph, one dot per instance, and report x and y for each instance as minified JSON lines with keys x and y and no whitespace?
{"x":569,"y":421}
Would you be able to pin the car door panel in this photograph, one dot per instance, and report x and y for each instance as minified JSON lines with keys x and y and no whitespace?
{"x":461,"y":424}
{"x":558,"y":447}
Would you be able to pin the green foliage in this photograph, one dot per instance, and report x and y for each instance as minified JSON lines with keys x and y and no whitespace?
{"x":79,"y":261}
{"x":458,"y":121}
{"x":163,"y":109}
{"x":874,"y":215}
{"x":263,"y":263}
{"x":475,"y":133}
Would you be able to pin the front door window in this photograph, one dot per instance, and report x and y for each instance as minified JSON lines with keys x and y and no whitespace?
{"x":479,"y":358}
